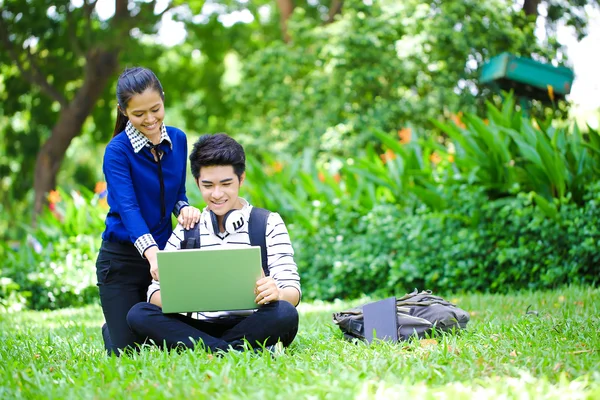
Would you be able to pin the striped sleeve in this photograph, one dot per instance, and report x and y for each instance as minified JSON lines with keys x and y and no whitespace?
{"x":153,"y":288}
{"x":174,"y":242}
{"x":280,"y":254}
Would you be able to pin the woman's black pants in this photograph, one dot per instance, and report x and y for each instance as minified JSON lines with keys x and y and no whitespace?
{"x":123,"y":280}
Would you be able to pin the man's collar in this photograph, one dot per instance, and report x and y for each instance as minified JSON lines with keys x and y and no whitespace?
{"x":139,"y":140}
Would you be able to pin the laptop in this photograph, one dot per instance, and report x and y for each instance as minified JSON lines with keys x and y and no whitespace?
{"x":202,"y":280}
{"x":380,"y":320}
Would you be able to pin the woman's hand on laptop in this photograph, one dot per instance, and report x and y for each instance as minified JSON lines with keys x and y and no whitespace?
{"x":266,"y":291}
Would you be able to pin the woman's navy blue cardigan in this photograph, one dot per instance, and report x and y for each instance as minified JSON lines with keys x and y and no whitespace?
{"x":134,"y":188}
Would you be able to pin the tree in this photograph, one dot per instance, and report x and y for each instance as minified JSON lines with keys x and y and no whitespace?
{"x":286,"y":8}
{"x":326,"y":10}
{"x":67,"y":56}
{"x":58,"y":61}
{"x":571,"y":13}
{"x":381,"y":66}
{"x":530,"y":7}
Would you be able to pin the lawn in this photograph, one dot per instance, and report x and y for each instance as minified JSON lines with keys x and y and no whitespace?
{"x":524,"y":345}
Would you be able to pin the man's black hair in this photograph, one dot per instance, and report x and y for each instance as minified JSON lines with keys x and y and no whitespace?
{"x":217,"y":149}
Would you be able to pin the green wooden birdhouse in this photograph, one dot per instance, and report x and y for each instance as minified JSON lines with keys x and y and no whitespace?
{"x":527,"y":78}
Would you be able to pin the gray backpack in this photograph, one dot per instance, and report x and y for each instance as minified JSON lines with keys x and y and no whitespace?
{"x":417,"y":313}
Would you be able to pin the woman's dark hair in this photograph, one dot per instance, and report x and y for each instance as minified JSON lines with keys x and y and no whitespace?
{"x":131,"y":82}
{"x":217,"y":149}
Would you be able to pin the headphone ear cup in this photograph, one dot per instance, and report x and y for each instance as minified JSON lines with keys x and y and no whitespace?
{"x":233,"y":220}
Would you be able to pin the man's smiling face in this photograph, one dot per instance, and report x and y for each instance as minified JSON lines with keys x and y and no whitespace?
{"x":220,"y":188}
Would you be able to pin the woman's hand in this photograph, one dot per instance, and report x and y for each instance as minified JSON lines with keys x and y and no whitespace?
{"x":188,"y":217}
{"x":150,"y":255}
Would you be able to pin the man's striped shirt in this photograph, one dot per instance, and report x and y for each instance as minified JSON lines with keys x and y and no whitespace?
{"x":280,"y":253}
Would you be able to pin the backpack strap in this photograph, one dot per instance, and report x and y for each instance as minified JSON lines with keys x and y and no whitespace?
{"x":257,"y":230}
{"x":191,"y":238}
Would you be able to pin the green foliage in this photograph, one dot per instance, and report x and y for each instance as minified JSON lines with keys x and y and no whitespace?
{"x":568,"y":13}
{"x":51,"y":53}
{"x":379,"y":66}
{"x":473,"y":244}
{"x":11,"y":298}
{"x":548,"y":353}
{"x":289,"y":186}
{"x":48,"y":55}
{"x":400,"y":62}
{"x":53,"y":266}
{"x":479,"y":217}
{"x":509,"y":153}
{"x":404,"y":174}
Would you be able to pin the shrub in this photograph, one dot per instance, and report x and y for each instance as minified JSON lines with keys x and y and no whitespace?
{"x":509,"y":150}
{"x":474,"y":244}
{"x":53,"y":265}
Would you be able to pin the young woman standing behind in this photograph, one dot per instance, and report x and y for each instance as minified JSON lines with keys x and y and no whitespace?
{"x":145,"y":169}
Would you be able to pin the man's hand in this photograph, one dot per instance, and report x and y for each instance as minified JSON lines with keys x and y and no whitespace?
{"x":188,"y":217}
{"x":150,"y":255}
{"x":266,"y":291}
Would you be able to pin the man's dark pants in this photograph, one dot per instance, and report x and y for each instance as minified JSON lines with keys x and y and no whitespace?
{"x":277,"y":321}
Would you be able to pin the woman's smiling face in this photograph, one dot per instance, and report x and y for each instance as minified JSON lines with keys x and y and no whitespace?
{"x":146,"y":112}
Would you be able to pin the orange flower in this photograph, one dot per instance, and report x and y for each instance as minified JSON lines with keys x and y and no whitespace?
{"x":53,"y":197}
{"x":486,"y":121}
{"x":435,"y":158}
{"x":321,"y":176}
{"x":457,"y":119}
{"x":277,"y":166}
{"x":103,"y":202}
{"x":550,"y":92}
{"x":451,"y":158}
{"x":405,"y":135}
{"x":389,"y":155}
{"x":100,"y":187}
{"x":337,"y":178}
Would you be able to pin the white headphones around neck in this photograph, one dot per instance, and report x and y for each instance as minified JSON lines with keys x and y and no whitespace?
{"x":232,"y":221}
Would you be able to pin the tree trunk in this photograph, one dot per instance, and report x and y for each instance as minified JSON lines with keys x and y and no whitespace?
{"x":530,"y":7}
{"x":286,"y":8}
{"x":100,"y":66}
{"x":334,"y":9}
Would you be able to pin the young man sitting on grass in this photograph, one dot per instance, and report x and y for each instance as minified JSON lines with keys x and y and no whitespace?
{"x":218,"y":165}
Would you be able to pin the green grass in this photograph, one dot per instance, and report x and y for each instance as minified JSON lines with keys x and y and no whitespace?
{"x":552,"y":352}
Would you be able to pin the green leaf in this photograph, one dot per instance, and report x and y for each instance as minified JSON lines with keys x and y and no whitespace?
{"x":547,"y":207}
